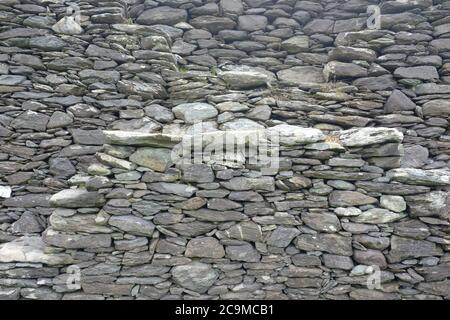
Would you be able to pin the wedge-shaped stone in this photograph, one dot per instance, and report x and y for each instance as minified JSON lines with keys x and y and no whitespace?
{"x":77,"y":198}
{"x":437,"y":177}
{"x":196,"y":276}
{"x":367,"y":136}
{"x":404,"y":248}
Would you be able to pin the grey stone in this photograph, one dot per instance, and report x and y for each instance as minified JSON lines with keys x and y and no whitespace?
{"x":216,"y":216}
{"x":11,"y":80}
{"x":377,"y":216}
{"x":393,"y":203}
{"x":246,"y":231}
{"x":28,"y":201}
{"x":435,"y":203}
{"x":398,"y":101}
{"x":304,"y":76}
{"x":296,"y":44}
{"x":293,"y":135}
{"x":59,"y":119}
{"x":31,"y":120}
{"x":325,"y":222}
{"x":367,"y":136}
{"x":337,"y":262}
{"x":158,"y":159}
{"x":181,"y":190}
{"x":252,"y":23}
{"x":207,"y":247}
{"x":213,"y":24}
{"x":76,"y":241}
{"x":47,"y":43}
{"x":96,"y":51}
{"x":131,"y":138}
{"x":331,"y":243}
{"x":243,"y":184}
{"x":27,"y":223}
{"x":281,"y":237}
{"x":194,"y":112}
{"x":349,"y":199}
{"x":348,"y":54}
{"x":244,"y":77}
{"x":404,"y":248}
{"x":196,"y":276}
{"x":245,"y":253}
{"x":77,"y":198}
{"x":343,"y":70}
{"x":436,"y":177}
{"x":162,"y":15}
{"x":69,"y":221}
{"x":437,"y":108}
{"x":30,"y":249}
{"x":420,"y":72}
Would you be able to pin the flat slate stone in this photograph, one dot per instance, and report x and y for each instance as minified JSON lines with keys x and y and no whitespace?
{"x":77,"y":198}
{"x":436,"y":177}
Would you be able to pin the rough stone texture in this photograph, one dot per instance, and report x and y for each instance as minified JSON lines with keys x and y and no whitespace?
{"x":119,"y":76}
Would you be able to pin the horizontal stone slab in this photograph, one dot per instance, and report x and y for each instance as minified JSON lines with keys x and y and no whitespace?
{"x":31,"y":249}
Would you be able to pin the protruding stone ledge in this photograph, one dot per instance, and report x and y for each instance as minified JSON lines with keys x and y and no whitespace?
{"x":289,"y":135}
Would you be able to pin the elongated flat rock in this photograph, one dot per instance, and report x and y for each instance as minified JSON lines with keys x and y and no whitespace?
{"x":131,"y":138}
{"x":367,"y":136}
{"x":437,"y":177}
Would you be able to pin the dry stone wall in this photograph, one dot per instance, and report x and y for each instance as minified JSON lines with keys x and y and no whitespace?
{"x":70,"y":70}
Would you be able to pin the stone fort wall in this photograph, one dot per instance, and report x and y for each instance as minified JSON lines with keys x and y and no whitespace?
{"x":76,"y":190}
